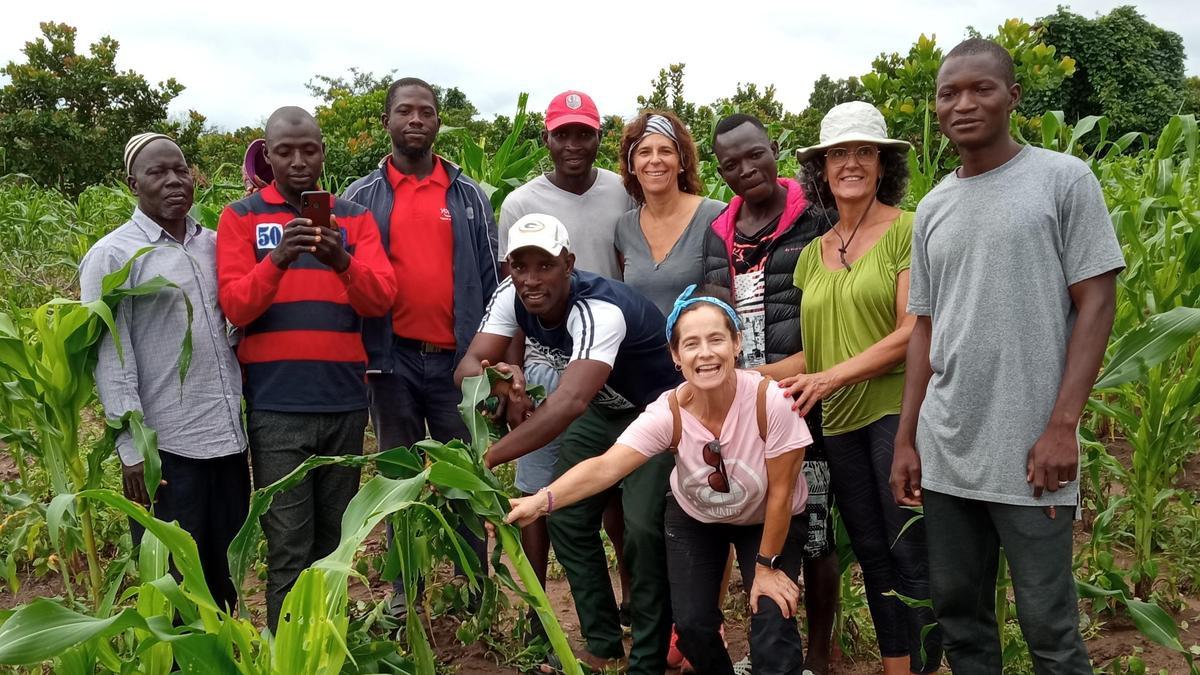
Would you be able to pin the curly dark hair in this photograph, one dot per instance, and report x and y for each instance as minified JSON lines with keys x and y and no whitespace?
{"x":893,"y":184}
{"x":689,"y":178}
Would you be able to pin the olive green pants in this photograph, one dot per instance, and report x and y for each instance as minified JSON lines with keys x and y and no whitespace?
{"x":575,"y":535}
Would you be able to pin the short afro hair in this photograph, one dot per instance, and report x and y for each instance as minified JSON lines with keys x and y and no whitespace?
{"x":409,"y":82}
{"x":730,"y":123}
{"x":982,"y":47}
{"x":893,"y":178}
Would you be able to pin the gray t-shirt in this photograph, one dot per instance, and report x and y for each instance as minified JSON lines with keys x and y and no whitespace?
{"x":664,"y":280}
{"x":992,"y":258}
{"x":590,"y":218}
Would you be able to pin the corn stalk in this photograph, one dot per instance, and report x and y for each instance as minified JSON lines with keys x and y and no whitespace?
{"x":46,"y":363}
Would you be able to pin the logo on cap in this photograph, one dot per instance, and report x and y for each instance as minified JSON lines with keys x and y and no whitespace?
{"x":533,"y":226}
{"x":574,"y":102}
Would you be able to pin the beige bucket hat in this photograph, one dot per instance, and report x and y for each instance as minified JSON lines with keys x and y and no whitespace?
{"x":851,"y":122}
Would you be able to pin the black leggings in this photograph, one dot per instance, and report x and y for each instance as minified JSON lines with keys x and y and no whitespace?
{"x":860,"y":464}
{"x":696,"y":555}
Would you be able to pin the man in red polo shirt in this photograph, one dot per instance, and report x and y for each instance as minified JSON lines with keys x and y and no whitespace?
{"x":297,"y":292}
{"x":438,"y":230}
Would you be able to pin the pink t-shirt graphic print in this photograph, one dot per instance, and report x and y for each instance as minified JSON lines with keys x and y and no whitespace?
{"x":742,"y":448}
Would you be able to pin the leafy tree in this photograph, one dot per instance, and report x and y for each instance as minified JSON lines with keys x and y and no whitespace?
{"x":903,"y":87}
{"x":748,"y":99}
{"x":826,"y":93}
{"x":1191,"y":101}
{"x":218,"y":154}
{"x":354,"y":138}
{"x":1129,"y":69}
{"x":356,"y":83}
{"x":666,"y":93}
{"x":65,"y":116}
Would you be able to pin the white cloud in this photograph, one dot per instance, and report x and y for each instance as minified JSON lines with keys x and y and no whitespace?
{"x":240,"y":60}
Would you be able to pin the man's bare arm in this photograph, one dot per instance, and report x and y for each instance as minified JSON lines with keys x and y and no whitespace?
{"x":579,"y":384}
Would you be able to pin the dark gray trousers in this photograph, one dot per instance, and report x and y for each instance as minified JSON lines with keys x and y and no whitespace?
{"x":965,"y":537}
{"x":304,"y":524}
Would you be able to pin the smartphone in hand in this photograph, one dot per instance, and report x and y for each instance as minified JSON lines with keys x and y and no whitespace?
{"x":315,"y":206}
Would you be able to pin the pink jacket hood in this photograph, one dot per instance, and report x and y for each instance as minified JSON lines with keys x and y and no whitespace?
{"x":727,"y":221}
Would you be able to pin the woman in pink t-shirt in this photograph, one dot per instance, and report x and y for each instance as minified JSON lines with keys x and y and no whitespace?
{"x":732,"y":484}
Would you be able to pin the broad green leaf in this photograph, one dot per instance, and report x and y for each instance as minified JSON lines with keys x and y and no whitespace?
{"x":444,"y":474}
{"x":911,"y":602}
{"x":243,"y":547}
{"x":203,"y":654}
{"x":1149,"y":345}
{"x":145,"y":441}
{"x":1154,"y":623}
{"x":59,"y":506}
{"x":44,"y":629}
{"x":178,"y":542}
{"x":475,"y":389}
{"x":399,"y":463}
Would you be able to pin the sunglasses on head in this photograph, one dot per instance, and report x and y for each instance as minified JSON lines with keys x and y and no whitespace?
{"x":718,"y":480}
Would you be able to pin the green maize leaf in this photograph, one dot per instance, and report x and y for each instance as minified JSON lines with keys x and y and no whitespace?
{"x":178,"y":542}
{"x":44,"y":629}
{"x":445,"y":474}
{"x":203,"y":654}
{"x":399,"y":463}
{"x":475,"y":389}
{"x":1150,"y":619}
{"x":441,"y":452}
{"x":313,"y":623}
{"x":114,"y":579}
{"x":145,"y":441}
{"x":375,"y":500}
{"x":911,"y":602}
{"x":169,"y":588}
{"x":243,"y":547}
{"x":919,"y":514}
{"x":1154,"y":622}
{"x":59,"y":506}
{"x":153,"y":563}
{"x":410,"y":570}
{"x":1083,"y":127}
{"x":1092,"y":591}
{"x":510,"y":540}
{"x":311,"y":628}
{"x":1149,"y":345}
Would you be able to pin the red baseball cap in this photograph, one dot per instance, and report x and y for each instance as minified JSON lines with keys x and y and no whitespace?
{"x":572,"y":107}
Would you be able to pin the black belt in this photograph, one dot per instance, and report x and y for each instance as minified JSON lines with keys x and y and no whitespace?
{"x":423,"y":347}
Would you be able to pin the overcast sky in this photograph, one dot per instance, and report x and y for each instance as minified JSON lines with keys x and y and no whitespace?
{"x":241,"y":60}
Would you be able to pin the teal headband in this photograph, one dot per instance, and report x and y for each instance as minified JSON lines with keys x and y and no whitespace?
{"x":686,"y":299}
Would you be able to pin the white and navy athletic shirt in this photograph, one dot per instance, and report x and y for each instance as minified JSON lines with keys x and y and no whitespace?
{"x":608,"y":322}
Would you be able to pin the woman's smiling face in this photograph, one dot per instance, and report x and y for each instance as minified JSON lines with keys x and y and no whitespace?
{"x":656,"y":164}
{"x":706,"y":349}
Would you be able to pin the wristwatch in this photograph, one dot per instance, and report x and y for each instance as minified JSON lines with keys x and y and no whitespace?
{"x":774,"y":562}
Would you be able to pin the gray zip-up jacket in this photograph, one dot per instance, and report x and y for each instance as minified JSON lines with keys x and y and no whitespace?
{"x":475,"y":275}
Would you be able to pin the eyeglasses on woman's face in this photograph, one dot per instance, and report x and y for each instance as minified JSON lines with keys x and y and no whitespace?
{"x":864,"y":154}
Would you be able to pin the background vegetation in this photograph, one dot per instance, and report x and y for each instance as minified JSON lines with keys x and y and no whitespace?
{"x":1110,"y":90}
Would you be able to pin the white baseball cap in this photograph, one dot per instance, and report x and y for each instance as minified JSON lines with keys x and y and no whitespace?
{"x":539,"y":230}
{"x":852,"y":122}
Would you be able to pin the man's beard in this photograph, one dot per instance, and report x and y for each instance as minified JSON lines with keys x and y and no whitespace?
{"x":410,"y":152}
